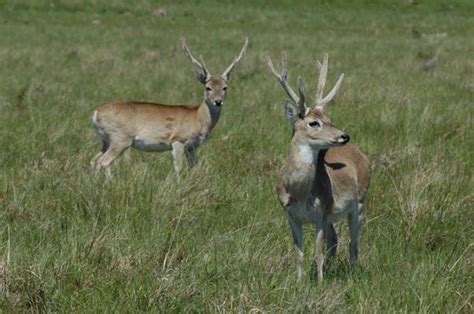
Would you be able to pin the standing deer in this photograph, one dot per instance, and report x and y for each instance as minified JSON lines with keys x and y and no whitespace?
{"x":158,"y":127}
{"x":324,"y":179}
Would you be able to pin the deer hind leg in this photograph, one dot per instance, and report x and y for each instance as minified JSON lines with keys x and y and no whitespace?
{"x":113,"y":151}
{"x":94,"y":160}
{"x":297,"y":233}
{"x":105,"y":146}
{"x":354,"y":227}
{"x":126,"y":155}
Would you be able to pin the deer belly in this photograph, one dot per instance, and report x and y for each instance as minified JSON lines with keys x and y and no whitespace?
{"x":150,"y":145}
{"x":304,"y":214}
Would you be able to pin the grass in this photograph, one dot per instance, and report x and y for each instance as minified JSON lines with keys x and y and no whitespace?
{"x":217,"y":239}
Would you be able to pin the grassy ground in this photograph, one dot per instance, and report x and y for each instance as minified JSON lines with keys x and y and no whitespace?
{"x":217,"y":240}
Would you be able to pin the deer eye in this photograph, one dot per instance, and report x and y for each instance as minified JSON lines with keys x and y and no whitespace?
{"x":208,"y":89}
{"x":314,"y":124}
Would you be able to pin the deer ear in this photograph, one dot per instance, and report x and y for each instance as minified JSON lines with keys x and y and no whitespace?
{"x":201,"y":77}
{"x":291,"y":111}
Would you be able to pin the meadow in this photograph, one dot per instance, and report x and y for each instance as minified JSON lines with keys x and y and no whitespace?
{"x":216,"y":239}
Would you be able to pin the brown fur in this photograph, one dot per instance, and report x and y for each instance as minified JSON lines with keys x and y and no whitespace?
{"x":322,"y":191}
{"x":324,"y":179}
{"x":158,"y":127}
{"x":165,"y":123}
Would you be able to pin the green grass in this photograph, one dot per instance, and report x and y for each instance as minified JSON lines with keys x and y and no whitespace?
{"x":217,"y":239}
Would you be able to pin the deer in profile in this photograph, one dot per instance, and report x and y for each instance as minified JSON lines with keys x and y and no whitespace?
{"x":324,"y":179}
{"x":158,"y":127}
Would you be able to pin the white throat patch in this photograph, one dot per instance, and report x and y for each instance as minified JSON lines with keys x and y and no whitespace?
{"x":306,"y":153}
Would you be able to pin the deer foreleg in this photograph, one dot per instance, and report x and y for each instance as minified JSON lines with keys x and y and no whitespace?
{"x":178,"y":154}
{"x":297,"y":233}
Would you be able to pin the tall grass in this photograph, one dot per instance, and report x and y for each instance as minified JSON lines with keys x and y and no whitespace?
{"x":216,"y":239}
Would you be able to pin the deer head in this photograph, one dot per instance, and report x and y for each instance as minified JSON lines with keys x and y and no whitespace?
{"x":215,"y":87}
{"x":310,"y":125}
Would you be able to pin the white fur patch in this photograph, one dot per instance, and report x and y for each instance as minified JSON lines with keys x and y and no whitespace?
{"x":94,"y":118}
{"x":98,"y":130}
{"x":306,"y":153}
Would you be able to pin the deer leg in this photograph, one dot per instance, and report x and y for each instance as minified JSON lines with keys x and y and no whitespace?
{"x":178,"y":153}
{"x":297,"y":233}
{"x":361,"y":212}
{"x":94,"y":160}
{"x":354,"y":227}
{"x":319,"y":258}
{"x":126,"y":155}
{"x":331,"y":239}
{"x":113,"y":151}
{"x":191,"y":156}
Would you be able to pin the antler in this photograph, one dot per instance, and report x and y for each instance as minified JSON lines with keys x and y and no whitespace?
{"x":321,"y":102}
{"x":302,"y":93}
{"x":283,"y":77}
{"x":227,"y":72}
{"x":202,"y":65}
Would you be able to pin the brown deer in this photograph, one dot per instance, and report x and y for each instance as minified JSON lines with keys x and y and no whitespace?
{"x":157,"y":127}
{"x":324,"y":179}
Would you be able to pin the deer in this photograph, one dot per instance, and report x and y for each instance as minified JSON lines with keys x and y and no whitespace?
{"x":324,"y":179}
{"x":158,"y":127}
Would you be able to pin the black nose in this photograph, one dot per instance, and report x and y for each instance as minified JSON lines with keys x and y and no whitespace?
{"x":345,"y":138}
{"x":218,"y":102}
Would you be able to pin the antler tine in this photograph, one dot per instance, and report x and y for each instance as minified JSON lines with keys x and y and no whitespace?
{"x":321,"y":101}
{"x":302,"y":92}
{"x":333,"y":92}
{"x":229,"y":69}
{"x":284,"y":65}
{"x":203,"y":64}
{"x":323,"y":71}
{"x":283,"y":77}
{"x":272,"y":68}
{"x":194,"y":60}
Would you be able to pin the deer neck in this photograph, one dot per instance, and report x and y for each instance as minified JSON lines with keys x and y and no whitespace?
{"x":208,"y":115}
{"x":300,"y":169}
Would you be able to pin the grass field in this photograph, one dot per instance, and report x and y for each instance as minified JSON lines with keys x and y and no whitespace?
{"x":216,"y":240}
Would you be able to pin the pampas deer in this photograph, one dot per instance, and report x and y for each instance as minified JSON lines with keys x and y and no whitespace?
{"x":324,"y":179}
{"x":157,"y":127}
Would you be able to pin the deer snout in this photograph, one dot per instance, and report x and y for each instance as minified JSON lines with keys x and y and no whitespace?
{"x":344,"y":138}
{"x":218,"y":102}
